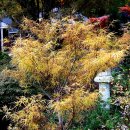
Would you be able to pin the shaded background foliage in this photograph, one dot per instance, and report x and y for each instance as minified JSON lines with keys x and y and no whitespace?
{"x":31,"y":8}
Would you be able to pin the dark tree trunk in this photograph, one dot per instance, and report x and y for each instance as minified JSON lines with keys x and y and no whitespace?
{"x":47,"y":8}
{"x":42,"y":6}
{"x":38,"y":8}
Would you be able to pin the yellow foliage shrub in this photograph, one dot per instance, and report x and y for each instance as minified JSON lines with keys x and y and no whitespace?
{"x":63,"y":54}
{"x":77,"y":101}
{"x":83,"y":54}
{"x":29,"y":114}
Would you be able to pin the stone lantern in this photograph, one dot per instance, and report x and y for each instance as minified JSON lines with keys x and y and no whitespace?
{"x":104,"y":79}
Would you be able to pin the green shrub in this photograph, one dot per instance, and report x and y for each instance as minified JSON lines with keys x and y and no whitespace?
{"x":9,"y":90}
{"x":4,"y":60}
{"x":98,"y":119}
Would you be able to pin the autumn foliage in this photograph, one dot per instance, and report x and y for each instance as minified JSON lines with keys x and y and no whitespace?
{"x":62,"y":60}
